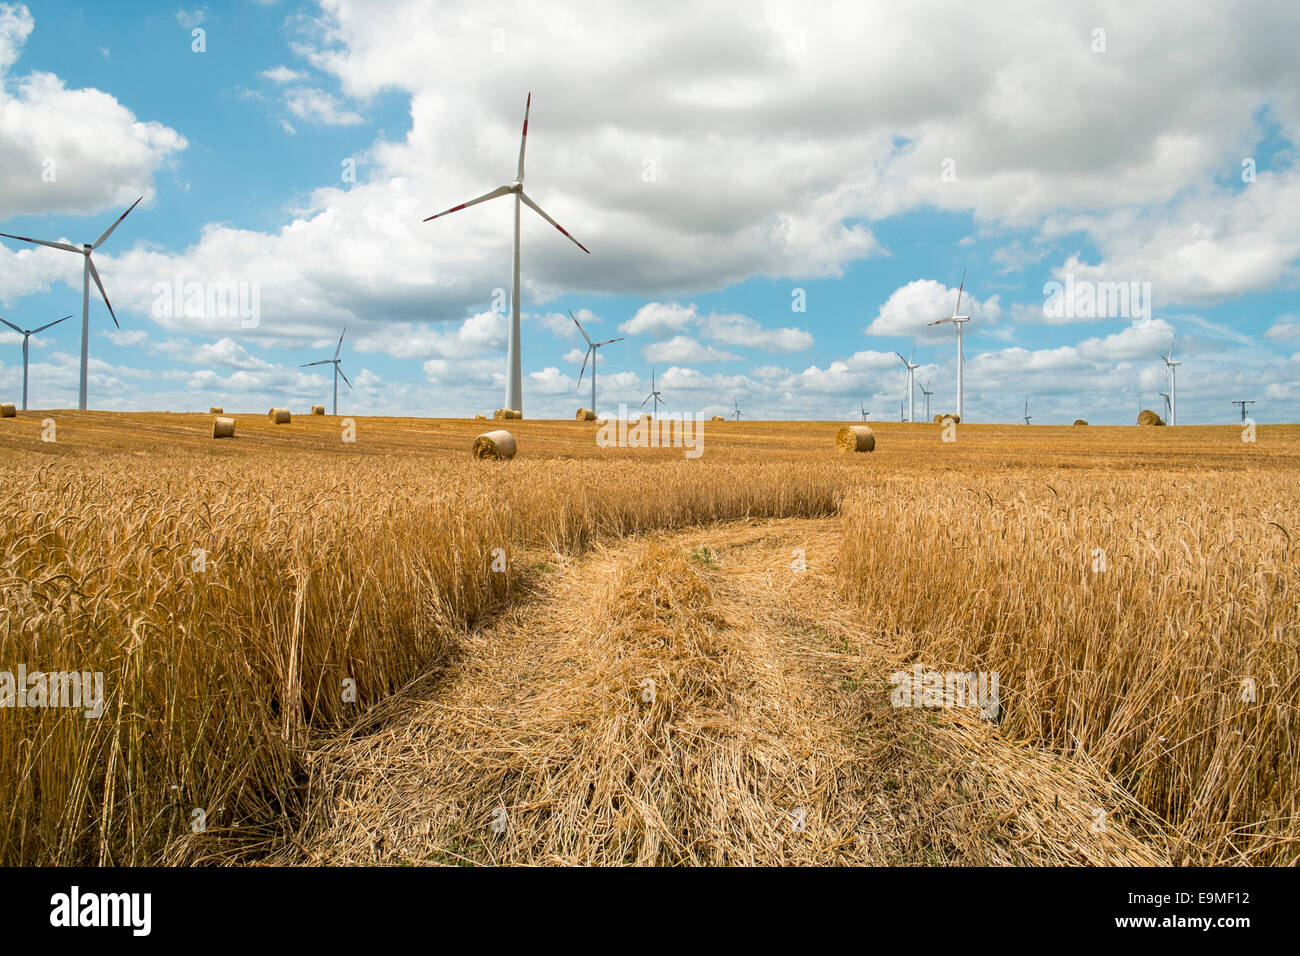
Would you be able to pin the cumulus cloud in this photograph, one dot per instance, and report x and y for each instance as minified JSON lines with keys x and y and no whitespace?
{"x":317,"y":106}
{"x":909,"y":310}
{"x":69,"y":150}
{"x":683,"y":348}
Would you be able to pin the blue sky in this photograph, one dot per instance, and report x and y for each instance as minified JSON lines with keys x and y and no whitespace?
{"x":721,"y":166}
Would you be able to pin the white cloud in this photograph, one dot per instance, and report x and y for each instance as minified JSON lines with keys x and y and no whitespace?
{"x":317,"y":106}
{"x":683,"y":348}
{"x":282,"y":74}
{"x":910,"y":309}
{"x":69,"y":150}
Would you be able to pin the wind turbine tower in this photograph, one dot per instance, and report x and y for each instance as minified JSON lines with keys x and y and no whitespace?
{"x":958,"y":322}
{"x":514,"y":376}
{"x":88,"y":272}
{"x":653,"y":394}
{"x":337,"y":371}
{"x":27,"y":334}
{"x":925,"y":390}
{"x":1171,"y":369}
{"x":591,"y":354}
{"x":911,"y":388}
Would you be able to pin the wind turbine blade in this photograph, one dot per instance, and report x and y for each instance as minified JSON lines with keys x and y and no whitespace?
{"x":321,"y":362}
{"x":499,"y":191}
{"x":523,"y":138}
{"x":42,"y":242}
{"x":939,"y":321}
{"x":16,"y":329}
{"x":647,"y":398}
{"x":900,"y":357}
{"x":94,"y":274}
{"x":340,"y":345}
{"x":109,"y":231}
{"x":580,"y":328}
{"x":607,"y":342}
{"x":584,"y":365}
{"x":910,"y":357}
{"x":47,"y":325}
{"x":344,"y":377}
{"x":541,"y":212}
{"x":957,"y":307}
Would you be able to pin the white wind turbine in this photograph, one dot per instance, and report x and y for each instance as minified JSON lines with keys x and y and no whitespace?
{"x":911,"y":388}
{"x":654,"y":394}
{"x":337,"y":371}
{"x":591,"y":354}
{"x":1026,"y":418}
{"x":88,"y":272}
{"x":1171,"y":370}
{"x":925,"y":390}
{"x":958,"y":321}
{"x":27,"y":334}
{"x":514,"y":377}
{"x":863,"y":407}
{"x":736,"y":413}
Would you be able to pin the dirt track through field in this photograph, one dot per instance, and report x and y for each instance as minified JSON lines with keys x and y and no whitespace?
{"x":691,"y":698}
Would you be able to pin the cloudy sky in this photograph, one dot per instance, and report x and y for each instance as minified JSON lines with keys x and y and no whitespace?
{"x":777,"y":197}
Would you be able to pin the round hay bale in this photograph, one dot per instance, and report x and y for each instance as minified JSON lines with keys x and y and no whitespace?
{"x":318,"y":409}
{"x":280,"y":416}
{"x":1148,"y":417}
{"x":855,"y":438}
{"x":223,"y":428}
{"x":939,"y":419}
{"x":503,"y":415}
{"x":7,"y":410}
{"x":480,"y":418}
{"x":216,"y":410}
{"x":499,"y":444}
{"x":1081,"y":421}
{"x":585,"y":415}
{"x":717,"y":418}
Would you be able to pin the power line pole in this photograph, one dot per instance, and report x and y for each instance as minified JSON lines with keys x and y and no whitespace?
{"x":1243,"y":405}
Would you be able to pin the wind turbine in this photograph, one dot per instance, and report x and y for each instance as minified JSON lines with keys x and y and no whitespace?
{"x":1171,"y":369}
{"x":925,"y":390}
{"x":514,"y":378}
{"x":900,"y":411}
{"x":591,"y":354}
{"x":736,"y":414}
{"x":863,"y":407}
{"x":958,"y":321}
{"x":337,"y":371}
{"x":1165,"y":396}
{"x":1026,"y":419}
{"x":88,"y":272}
{"x":911,"y":389}
{"x":27,"y":334}
{"x":653,"y":394}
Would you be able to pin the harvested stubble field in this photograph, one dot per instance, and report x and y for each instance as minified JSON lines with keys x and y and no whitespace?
{"x":649,"y":679}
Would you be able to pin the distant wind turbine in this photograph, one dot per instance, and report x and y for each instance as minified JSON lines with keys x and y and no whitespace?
{"x":1026,"y":418}
{"x":88,"y":272}
{"x":1171,"y":370}
{"x":865,"y":413}
{"x":514,"y":378}
{"x":653,"y":394}
{"x":337,"y":371}
{"x":591,"y":354}
{"x":925,"y":390}
{"x":736,"y":413}
{"x":911,"y":388}
{"x":1168,"y":405}
{"x":27,"y":334}
{"x":958,"y":321}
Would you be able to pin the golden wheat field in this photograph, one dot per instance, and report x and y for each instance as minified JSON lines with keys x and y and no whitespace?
{"x":384,"y":651}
